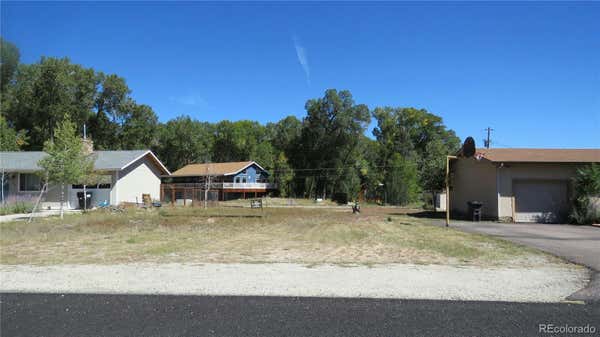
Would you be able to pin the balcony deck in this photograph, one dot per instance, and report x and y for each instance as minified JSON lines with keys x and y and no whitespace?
{"x":230,"y":187}
{"x":248,"y":186}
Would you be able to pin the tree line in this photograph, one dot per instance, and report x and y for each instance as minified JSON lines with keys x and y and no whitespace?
{"x":325,"y":154}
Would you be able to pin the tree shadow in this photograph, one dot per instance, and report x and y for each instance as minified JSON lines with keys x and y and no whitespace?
{"x":424,"y":214}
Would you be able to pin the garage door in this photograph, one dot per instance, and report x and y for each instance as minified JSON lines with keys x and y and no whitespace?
{"x":540,"y":200}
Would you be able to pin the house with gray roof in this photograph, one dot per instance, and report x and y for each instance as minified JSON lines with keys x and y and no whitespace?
{"x":123,"y":177}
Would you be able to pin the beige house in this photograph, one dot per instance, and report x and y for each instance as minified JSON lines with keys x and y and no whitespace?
{"x":124,"y":177}
{"x":520,"y":185}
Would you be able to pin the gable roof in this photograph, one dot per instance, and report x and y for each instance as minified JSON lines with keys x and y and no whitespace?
{"x":214,"y":169}
{"x":540,"y":155}
{"x":105,"y":160}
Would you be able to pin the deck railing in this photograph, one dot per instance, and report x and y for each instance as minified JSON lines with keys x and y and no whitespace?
{"x":248,"y":186}
{"x":224,"y":186}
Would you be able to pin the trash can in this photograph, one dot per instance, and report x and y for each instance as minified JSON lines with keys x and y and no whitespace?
{"x":475,"y":208}
{"x":88,"y":199}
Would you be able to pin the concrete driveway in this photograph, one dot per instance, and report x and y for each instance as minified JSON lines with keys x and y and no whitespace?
{"x":578,"y":244}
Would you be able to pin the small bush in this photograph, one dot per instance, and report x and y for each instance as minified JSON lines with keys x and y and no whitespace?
{"x":16,"y":208}
{"x":586,"y":185}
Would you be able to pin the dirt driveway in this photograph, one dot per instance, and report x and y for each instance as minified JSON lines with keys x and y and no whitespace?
{"x":578,"y":244}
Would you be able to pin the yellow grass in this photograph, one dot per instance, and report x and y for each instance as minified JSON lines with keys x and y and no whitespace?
{"x":298,"y":235}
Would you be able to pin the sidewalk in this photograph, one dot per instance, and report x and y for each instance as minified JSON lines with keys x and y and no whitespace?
{"x":39,"y":214}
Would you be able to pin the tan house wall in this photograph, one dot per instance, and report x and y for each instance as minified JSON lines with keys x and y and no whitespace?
{"x":473,"y":180}
{"x":140,"y":178}
{"x":528,"y":171}
{"x":492,"y":183}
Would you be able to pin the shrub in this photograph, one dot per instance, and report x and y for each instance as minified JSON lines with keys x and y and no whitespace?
{"x":586,"y":187}
{"x":16,"y":208}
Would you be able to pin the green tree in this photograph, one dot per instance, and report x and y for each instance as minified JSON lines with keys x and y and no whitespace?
{"x":401,"y":181}
{"x":113,"y":107}
{"x":10,"y":139}
{"x":371,"y":179}
{"x":264,"y":154}
{"x":240,"y":141}
{"x":9,"y":60}
{"x":419,"y":135}
{"x":282,"y":175}
{"x":184,"y":141}
{"x":66,"y":163}
{"x":329,"y":137}
{"x":140,"y":129}
{"x":45,"y":93}
{"x":284,"y":133}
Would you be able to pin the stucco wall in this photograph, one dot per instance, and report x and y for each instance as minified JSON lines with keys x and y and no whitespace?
{"x":140,"y":178}
{"x":473,"y":180}
{"x":525,"y":171}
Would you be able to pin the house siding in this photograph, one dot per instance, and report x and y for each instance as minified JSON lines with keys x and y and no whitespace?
{"x":493,"y":183}
{"x":252,"y":175}
{"x":51,"y":199}
{"x":473,"y":180}
{"x":529,"y":171}
{"x":142,"y":177}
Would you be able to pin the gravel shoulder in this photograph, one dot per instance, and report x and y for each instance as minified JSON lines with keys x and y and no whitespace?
{"x":542,"y":284}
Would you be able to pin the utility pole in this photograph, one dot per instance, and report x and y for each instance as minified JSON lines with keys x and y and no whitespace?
{"x":487,"y":142}
{"x":85,"y":206}
{"x":207,"y":180}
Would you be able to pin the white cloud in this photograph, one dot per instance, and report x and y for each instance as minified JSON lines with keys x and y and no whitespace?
{"x":302,"y":58}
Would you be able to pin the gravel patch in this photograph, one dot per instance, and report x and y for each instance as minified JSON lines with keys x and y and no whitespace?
{"x":544,"y":284}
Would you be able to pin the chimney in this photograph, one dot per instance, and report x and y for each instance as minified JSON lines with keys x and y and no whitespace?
{"x":88,"y":146}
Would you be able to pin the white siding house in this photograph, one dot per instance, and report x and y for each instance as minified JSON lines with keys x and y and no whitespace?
{"x":125,"y":176}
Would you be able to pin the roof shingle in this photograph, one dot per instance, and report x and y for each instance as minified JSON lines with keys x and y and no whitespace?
{"x":217,"y":169}
{"x":105,"y":160}
{"x":541,"y":155}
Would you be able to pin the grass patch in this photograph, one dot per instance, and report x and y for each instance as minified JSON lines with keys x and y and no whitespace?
{"x":310,"y":236}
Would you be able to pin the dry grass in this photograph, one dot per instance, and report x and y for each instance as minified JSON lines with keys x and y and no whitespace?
{"x":300,"y":235}
{"x":282,"y":202}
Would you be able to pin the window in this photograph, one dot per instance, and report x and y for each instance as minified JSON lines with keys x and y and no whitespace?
{"x":100,"y":186}
{"x":243,"y":180}
{"x":29,"y":182}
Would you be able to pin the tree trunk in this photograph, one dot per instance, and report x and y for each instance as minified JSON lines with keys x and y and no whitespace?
{"x":2,"y":187}
{"x":37,"y":203}
{"x":62,"y":200}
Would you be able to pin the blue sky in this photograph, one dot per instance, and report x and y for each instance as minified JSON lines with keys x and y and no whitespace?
{"x":531,"y":70}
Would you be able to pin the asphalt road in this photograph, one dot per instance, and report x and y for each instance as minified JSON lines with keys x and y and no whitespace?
{"x":578,"y":244}
{"x":136,"y":315}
